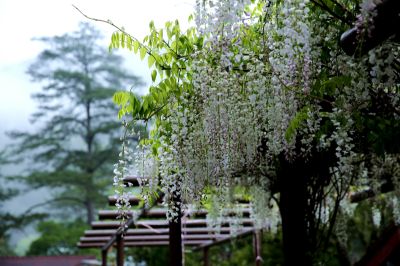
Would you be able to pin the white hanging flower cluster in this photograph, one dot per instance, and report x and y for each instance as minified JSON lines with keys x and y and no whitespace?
{"x":264,"y":90}
{"x":364,"y":23}
{"x":396,"y":210}
{"x":121,"y":170}
{"x":376,"y":216}
{"x":289,"y":43}
{"x":145,"y":168}
{"x":171,"y":181}
{"x":264,"y":210}
{"x":221,"y":124}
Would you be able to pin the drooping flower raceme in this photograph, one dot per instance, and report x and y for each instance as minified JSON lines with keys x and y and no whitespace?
{"x":269,"y":82}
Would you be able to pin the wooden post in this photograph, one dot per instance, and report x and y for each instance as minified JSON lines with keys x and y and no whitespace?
{"x":175,"y":243}
{"x":120,"y":250}
{"x":104,"y":257}
{"x":175,"y":234}
{"x":257,"y":247}
{"x":206,"y":259}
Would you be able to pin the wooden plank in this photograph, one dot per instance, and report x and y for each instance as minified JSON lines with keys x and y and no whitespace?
{"x":163,"y":223}
{"x":145,"y":243}
{"x":226,"y":239}
{"x":153,"y":238}
{"x":161,"y":213}
{"x":122,"y":229}
{"x":160,"y":231}
{"x":131,"y":180}
{"x":134,"y":201}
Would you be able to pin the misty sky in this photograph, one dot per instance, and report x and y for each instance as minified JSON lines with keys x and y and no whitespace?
{"x":20,"y":21}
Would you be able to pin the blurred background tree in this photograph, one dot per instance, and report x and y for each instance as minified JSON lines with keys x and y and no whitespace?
{"x":10,"y":222}
{"x":58,"y":238}
{"x":72,"y":149}
{"x":7,"y":222}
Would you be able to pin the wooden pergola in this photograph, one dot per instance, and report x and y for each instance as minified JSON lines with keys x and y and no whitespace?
{"x":148,"y":227}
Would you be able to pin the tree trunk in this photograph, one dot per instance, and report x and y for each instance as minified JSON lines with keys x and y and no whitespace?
{"x":293,"y":205}
{"x":175,"y":243}
{"x":89,"y":211}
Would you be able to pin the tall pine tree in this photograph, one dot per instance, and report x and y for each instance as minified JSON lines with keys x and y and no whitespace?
{"x":75,"y":139}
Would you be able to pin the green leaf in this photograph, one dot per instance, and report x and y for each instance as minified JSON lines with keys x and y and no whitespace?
{"x":121,"y":113}
{"x":142,"y":52}
{"x":151,"y":25}
{"x":301,"y":116}
{"x":153,"y":75}
{"x":160,"y":35}
{"x":129,"y":43}
{"x":122,"y":40}
{"x":121,"y":97}
{"x":151,"y":61}
{"x":136,"y":46}
{"x":175,"y":69}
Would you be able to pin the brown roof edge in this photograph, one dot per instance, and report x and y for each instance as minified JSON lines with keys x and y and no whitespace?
{"x":382,"y":248}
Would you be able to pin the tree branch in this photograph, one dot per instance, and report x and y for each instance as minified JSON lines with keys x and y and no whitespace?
{"x":30,"y":209}
{"x":148,"y":50}
{"x":324,"y":7}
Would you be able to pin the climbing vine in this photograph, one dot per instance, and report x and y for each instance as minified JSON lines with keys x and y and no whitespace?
{"x":259,"y":94}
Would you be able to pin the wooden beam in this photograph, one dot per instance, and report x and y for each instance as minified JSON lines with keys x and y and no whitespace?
{"x":161,"y":231}
{"x":257,"y":247}
{"x":175,"y":233}
{"x":131,"y":180}
{"x":206,"y":258}
{"x":145,"y":243}
{"x":134,"y":201}
{"x":104,"y":257}
{"x":384,"y":24}
{"x":120,"y":250}
{"x":161,"y":213}
{"x":123,"y":228}
{"x":369,"y":193}
{"x":152,"y":238}
{"x":163,"y":223}
{"x":226,"y":239}
{"x":119,"y":232}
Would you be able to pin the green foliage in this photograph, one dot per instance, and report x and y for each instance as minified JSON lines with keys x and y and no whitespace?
{"x":7,"y":223}
{"x":296,"y":122}
{"x":240,"y":252}
{"x":362,"y":233}
{"x":11,"y":222}
{"x":167,"y":58}
{"x":58,"y":238}
{"x":151,"y":256}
